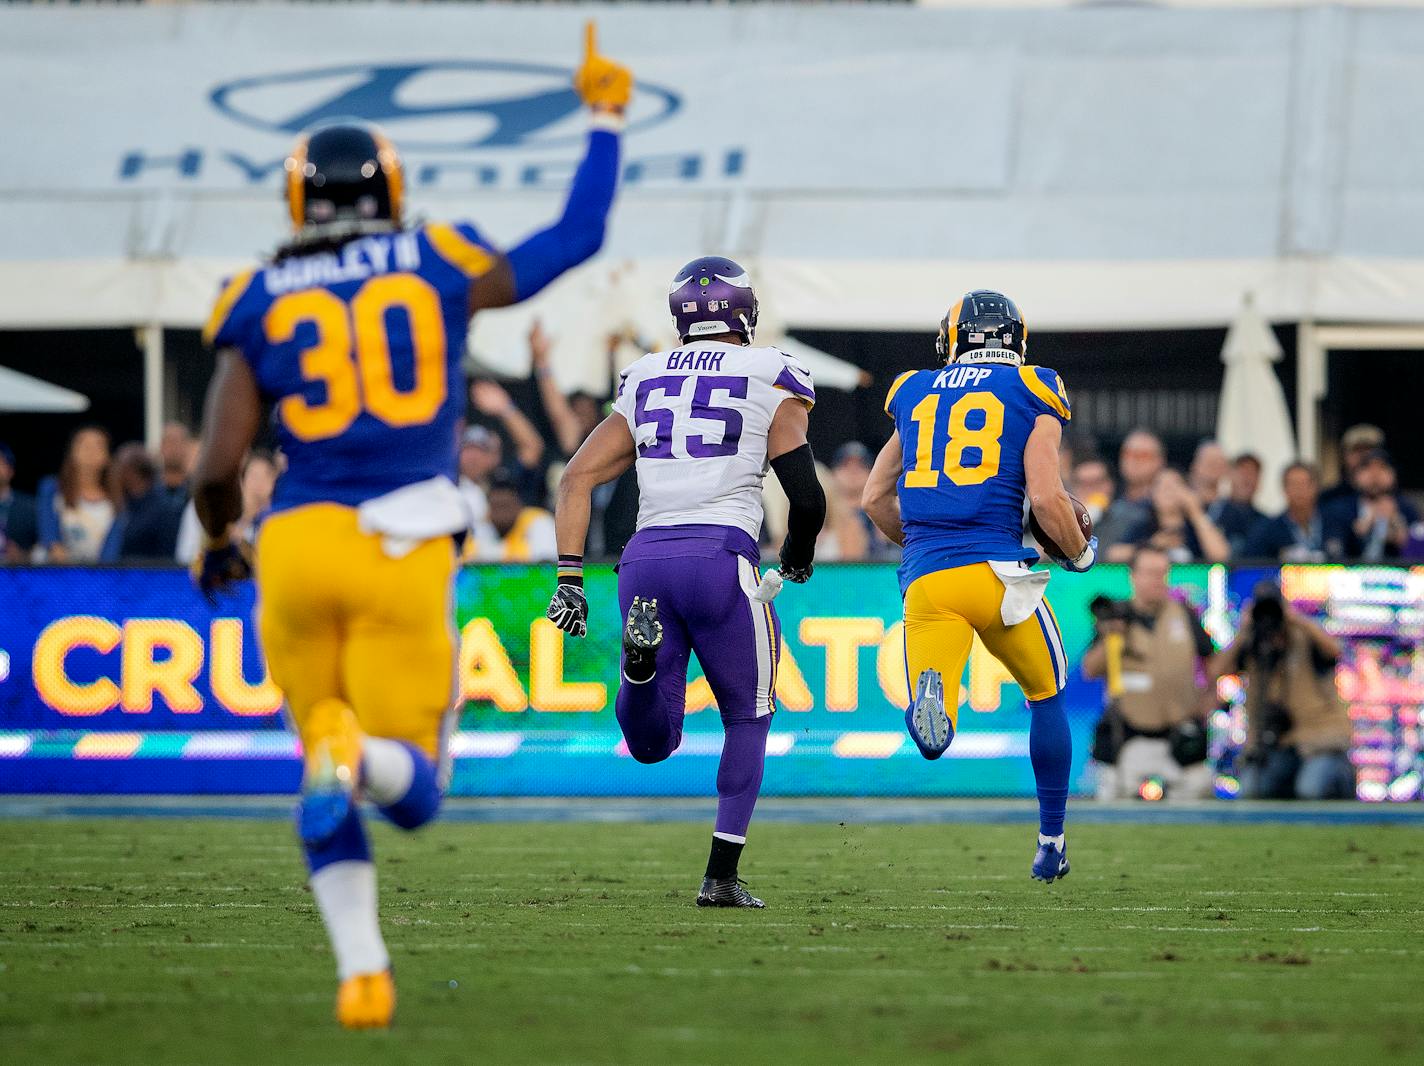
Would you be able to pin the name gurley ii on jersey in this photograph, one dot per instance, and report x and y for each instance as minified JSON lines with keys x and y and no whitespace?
{"x":963,"y":430}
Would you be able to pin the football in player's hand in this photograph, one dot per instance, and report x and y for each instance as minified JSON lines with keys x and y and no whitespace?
{"x":1051,"y":549}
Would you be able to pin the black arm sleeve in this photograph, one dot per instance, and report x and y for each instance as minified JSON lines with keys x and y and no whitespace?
{"x":796,"y":470}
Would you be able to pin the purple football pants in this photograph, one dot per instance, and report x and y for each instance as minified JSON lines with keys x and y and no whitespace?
{"x":705,"y":606}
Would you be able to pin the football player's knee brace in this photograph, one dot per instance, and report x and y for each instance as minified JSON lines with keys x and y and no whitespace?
{"x":347,"y":844}
{"x":421,"y":800}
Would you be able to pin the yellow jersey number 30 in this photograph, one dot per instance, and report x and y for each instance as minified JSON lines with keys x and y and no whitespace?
{"x":351,"y":356}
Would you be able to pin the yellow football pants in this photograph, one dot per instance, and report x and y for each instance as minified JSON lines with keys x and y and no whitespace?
{"x":945,"y":609}
{"x":340,"y":618}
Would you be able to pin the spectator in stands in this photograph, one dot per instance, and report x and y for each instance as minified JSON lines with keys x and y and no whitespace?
{"x":1374,"y":523}
{"x":1211,"y":478}
{"x":850,"y":469}
{"x":1152,"y":650}
{"x":480,"y":454}
{"x":1298,"y":728}
{"x":842,"y":535}
{"x":573,"y":416}
{"x":1093,"y":484}
{"x":259,"y":481}
{"x":525,"y":467}
{"x":1246,"y":480}
{"x":146,"y":527}
{"x":1238,"y":516}
{"x":614,"y":505}
{"x":516,"y":532}
{"x":1208,"y":473}
{"x":1356,"y":443}
{"x":1297,"y":534}
{"x":18,"y":527}
{"x":1140,"y":460}
{"x":177,"y":451}
{"x":1177,"y":524}
{"x":75,"y":509}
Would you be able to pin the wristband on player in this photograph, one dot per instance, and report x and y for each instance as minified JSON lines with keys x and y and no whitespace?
{"x":606,"y":119}
{"x":571,"y":570}
{"x":1085,"y":560}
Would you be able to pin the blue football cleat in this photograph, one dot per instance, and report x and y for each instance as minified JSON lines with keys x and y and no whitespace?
{"x":929,"y":725}
{"x":1049,"y":864}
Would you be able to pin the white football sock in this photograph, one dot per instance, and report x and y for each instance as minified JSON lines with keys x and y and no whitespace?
{"x":346,"y":896}
{"x":387,"y":770}
{"x":1058,"y":840}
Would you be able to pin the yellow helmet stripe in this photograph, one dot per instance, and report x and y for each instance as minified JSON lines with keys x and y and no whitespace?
{"x":390,"y":161}
{"x":952,"y":348}
{"x":296,"y":183}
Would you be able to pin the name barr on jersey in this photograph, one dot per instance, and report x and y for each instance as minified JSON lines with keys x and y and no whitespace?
{"x":687,"y":359}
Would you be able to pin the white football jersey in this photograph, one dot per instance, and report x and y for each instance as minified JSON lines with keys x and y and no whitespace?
{"x":700,"y":415}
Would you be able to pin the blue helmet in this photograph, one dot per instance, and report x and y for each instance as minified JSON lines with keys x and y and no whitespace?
{"x":713,"y":295}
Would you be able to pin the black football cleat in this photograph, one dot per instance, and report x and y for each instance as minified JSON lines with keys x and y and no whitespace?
{"x":726,"y":892}
{"x":642,"y":637}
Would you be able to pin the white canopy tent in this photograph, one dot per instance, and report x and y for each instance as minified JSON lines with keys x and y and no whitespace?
{"x":1253,"y":416}
{"x":21,"y":392}
{"x":1110,"y":167}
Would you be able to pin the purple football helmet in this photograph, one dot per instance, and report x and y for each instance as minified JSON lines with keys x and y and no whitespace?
{"x":712,"y":295}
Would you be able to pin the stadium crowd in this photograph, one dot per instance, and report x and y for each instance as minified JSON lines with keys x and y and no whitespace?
{"x":107,"y":504}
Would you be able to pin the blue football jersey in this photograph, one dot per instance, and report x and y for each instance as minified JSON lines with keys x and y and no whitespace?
{"x":359,"y":351}
{"x":962,"y":488}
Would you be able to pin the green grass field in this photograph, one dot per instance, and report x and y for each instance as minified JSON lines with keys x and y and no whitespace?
{"x":131,"y":941}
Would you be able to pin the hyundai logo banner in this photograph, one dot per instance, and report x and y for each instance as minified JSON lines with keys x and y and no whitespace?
{"x":212,"y":98}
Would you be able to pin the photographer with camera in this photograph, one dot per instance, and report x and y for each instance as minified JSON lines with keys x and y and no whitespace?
{"x":1150,"y":649}
{"x":1297,"y":728}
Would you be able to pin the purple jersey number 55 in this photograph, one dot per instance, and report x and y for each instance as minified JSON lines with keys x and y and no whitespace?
{"x":661,"y":418}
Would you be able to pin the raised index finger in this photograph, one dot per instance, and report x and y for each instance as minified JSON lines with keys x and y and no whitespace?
{"x":590,"y":40}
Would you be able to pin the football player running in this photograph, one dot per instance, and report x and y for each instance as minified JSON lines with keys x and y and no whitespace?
{"x":702,"y":422}
{"x":973,"y":440}
{"x":354,"y":332}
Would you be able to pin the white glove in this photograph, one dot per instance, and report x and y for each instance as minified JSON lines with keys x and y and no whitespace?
{"x":769,"y":588}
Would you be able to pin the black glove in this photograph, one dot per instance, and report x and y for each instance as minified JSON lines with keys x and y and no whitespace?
{"x":220,"y":566}
{"x":568,"y":609}
{"x":798,"y":574}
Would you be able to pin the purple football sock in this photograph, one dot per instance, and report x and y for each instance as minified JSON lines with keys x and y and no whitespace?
{"x":739,"y":774}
